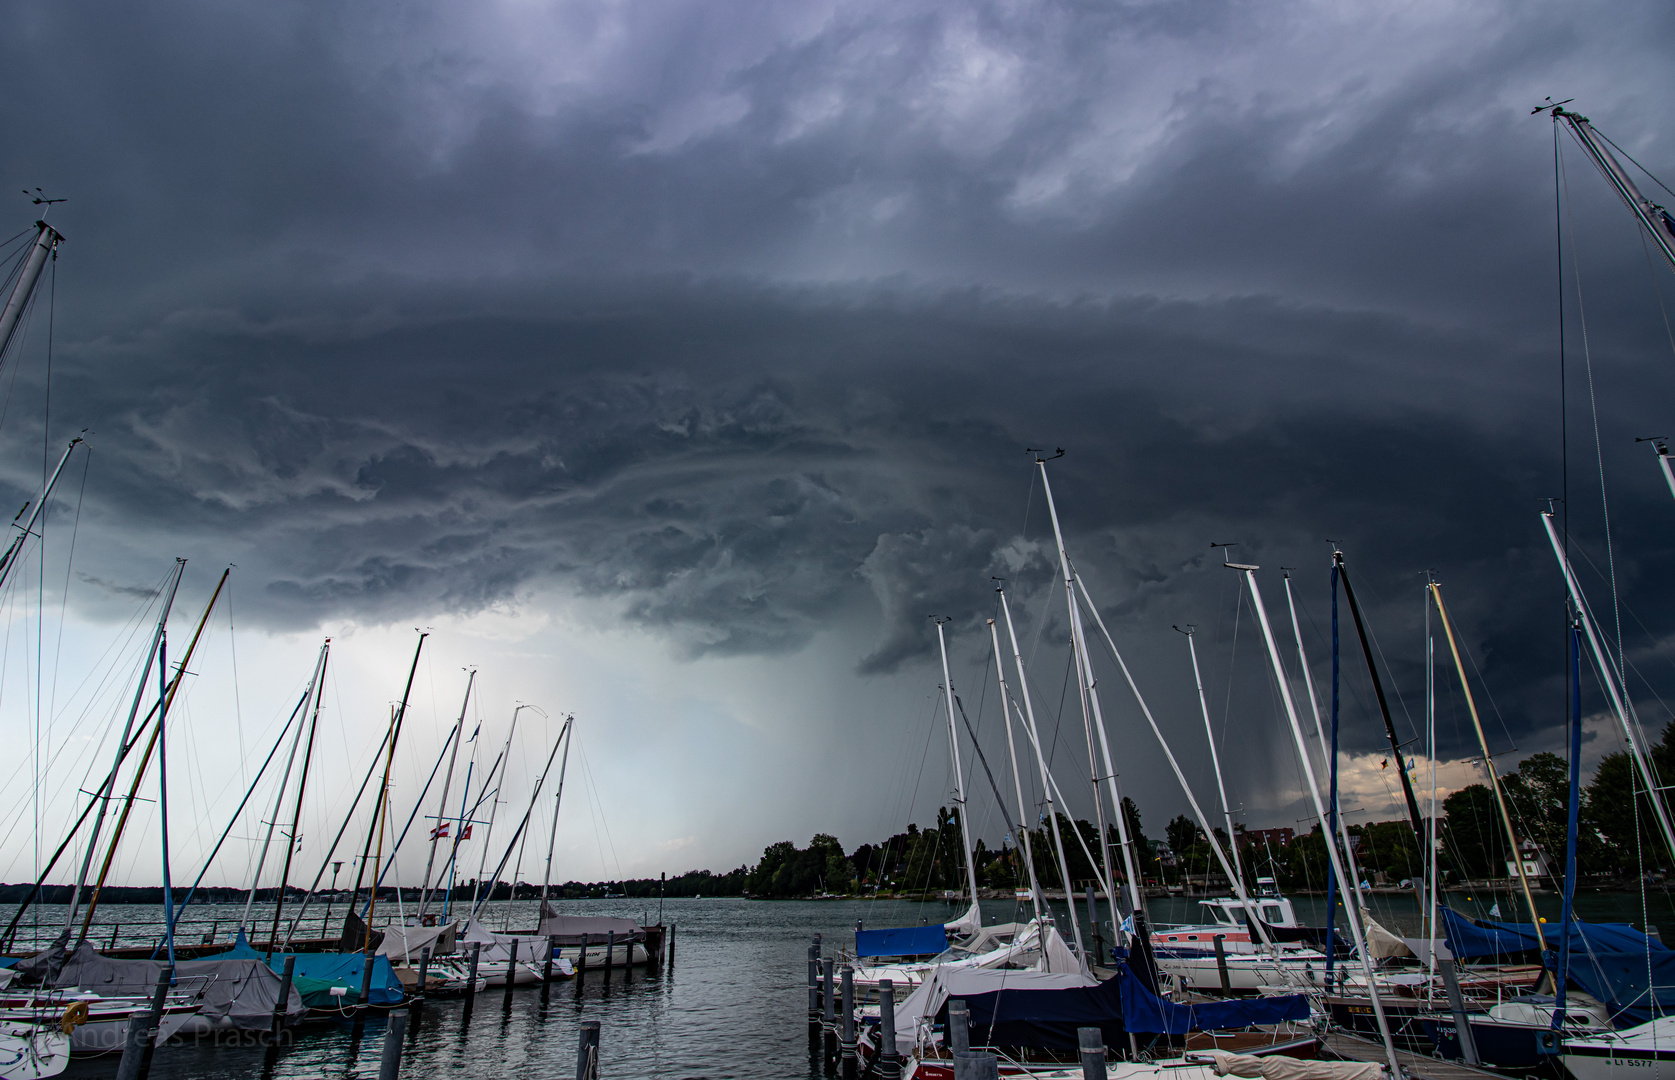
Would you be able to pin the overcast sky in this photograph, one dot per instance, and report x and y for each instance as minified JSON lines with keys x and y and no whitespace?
{"x":672,"y":362}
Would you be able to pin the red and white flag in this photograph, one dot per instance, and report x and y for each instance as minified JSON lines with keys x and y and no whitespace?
{"x":440,"y":832}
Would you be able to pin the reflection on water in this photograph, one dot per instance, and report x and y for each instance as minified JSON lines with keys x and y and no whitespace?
{"x":733,"y":1003}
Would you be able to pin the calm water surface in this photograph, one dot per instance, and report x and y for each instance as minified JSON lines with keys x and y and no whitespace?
{"x":731,"y":1005}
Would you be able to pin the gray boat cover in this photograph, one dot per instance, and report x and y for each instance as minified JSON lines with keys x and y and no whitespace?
{"x":568,"y":929}
{"x":240,"y":994}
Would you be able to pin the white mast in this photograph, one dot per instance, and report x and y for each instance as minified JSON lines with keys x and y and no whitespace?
{"x":1186,"y":789}
{"x":1046,"y":781}
{"x":1097,"y":717}
{"x":974,"y":917}
{"x":279,"y":797}
{"x":1215,"y":758}
{"x":1017,"y":781}
{"x":558,"y":801}
{"x":105,"y":793}
{"x":1325,"y":747}
{"x":1353,"y":917}
{"x":8,"y":561}
{"x":494,"y":807}
{"x":46,"y":243}
{"x":442,"y":804}
{"x":1431,"y":752}
{"x":1653,"y":218}
{"x":1609,"y":677}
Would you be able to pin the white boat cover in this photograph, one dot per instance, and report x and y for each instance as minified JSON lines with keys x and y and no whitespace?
{"x":1381,"y":943}
{"x":1278,"y":1067}
{"x":913,"y":1016}
{"x":497,"y":948}
{"x":240,"y":993}
{"x":406,"y":944}
{"x":969,"y":923}
{"x":568,"y":929}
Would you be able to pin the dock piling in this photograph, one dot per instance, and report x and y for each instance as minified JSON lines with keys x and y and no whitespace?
{"x":828,"y":1006}
{"x":958,"y":1038}
{"x":1091,"y":1043}
{"x":889,"y":1062}
{"x":389,"y":1065}
{"x":115,"y":927}
{"x":587,"y":1053}
{"x":1221,"y":967}
{"x":547,"y":968}
{"x":581,"y":961}
{"x":671,"y":944}
{"x":813,"y":984}
{"x":1457,"y":1006}
{"x":424,"y":970}
{"x":610,"y":952}
{"x":283,"y":1005}
{"x":511,"y":970}
{"x":846,"y":1039}
{"x":968,"y":1066}
{"x":471,"y":977}
{"x":153,"y":1020}
{"x":366,"y":981}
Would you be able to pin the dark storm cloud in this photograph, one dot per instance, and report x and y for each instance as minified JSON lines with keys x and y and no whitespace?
{"x":739,"y":317}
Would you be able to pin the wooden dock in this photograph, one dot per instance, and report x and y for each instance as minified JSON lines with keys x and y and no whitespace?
{"x":1417,"y":1066}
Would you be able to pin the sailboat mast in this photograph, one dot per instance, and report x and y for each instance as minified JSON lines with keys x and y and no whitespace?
{"x":1352,"y":917}
{"x":383,"y":796}
{"x":1023,"y":839}
{"x":442,"y":803}
{"x":122,"y":746}
{"x":8,"y":560}
{"x":1095,"y":718}
{"x":1513,"y":853}
{"x":1215,"y":758}
{"x":1041,"y":763}
{"x":291,"y":838}
{"x":150,"y":746}
{"x":1653,"y":218}
{"x":46,"y":243}
{"x":523,"y":824}
{"x":1431,"y":877}
{"x":959,"y":774}
{"x":501,"y":767}
{"x":1562,"y":976}
{"x":278,"y":801}
{"x":1662,"y":449}
{"x":1610,"y":677}
{"x":558,"y":801}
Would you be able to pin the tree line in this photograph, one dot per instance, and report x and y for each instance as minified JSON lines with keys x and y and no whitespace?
{"x":1617,"y":838}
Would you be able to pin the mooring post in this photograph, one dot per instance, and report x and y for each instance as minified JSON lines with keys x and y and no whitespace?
{"x":389,"y":1066}
{"x":283,"y":1005}
{"x":828,"y":1006}
{"x":1221,"y":967}
{"x":610,"y":952}
{"x":813,"y":985}
{"x":976,"y":1067}
{"x":366,"y":980}
{"x":889,"y":1062}
{"x":511,"y":970}
{"x":587,"y":1053}
{"x":424,"y":970}
{"x":1091,"y":1042}
{"x":114,"y":928}
{"x":471,"y":976}
{"x":547,"y":968}
{"x":958,"y":1038}
{"x":153,"y":1022}
{"x":581,"y":962}
{"x":671,"y":944}
{"x":846,"y":1042}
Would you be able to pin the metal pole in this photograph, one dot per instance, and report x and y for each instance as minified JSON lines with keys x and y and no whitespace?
{"x":959,"y":773}
{"x":889,"y":1060}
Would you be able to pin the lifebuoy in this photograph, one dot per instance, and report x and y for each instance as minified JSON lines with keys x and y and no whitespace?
{"x":75,"y":1016}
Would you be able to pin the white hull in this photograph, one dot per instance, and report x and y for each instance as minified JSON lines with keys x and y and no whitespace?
{"x":1245,"y":972}
{"x":1647,"y":1052}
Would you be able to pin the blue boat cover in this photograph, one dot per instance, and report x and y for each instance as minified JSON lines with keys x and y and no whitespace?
{"x":1044,"y":1018}
{"x":905,"y":941}
{"x":341,"y":969}
{"x":1634,"y":975}
{"x":1144,"y":1011}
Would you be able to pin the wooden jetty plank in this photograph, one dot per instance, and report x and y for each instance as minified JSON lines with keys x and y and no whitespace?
{"x":1418,"y":1066}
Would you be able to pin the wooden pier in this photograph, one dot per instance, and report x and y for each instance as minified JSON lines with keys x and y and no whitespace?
{"x":1417,"y":1066}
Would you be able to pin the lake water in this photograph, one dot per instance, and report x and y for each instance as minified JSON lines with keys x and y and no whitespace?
{"x":732,"y":1004}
